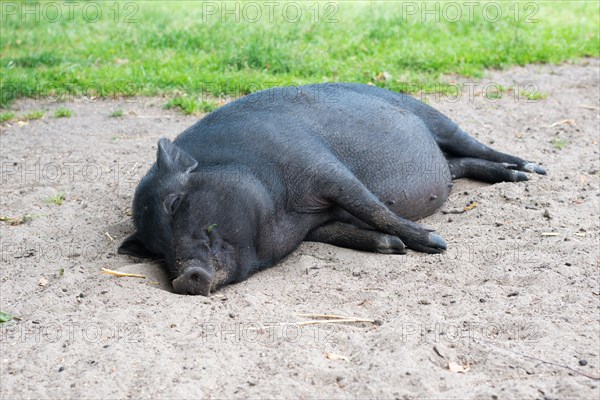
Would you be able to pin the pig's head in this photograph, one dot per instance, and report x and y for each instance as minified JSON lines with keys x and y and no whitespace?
{"x":198,"y":222}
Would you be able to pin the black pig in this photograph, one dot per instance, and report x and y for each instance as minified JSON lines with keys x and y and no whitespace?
{"x":346,"y":164}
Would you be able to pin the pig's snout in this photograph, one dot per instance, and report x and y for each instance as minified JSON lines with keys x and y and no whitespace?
{"x":194,"y":280}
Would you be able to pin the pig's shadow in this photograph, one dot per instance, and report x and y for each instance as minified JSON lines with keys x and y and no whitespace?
{"x":154,"y":271}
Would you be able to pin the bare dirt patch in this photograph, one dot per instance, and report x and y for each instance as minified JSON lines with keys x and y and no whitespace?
{"x":510,"y":311}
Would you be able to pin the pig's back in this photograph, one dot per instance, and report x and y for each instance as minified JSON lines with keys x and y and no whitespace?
{"x":385,"y":145}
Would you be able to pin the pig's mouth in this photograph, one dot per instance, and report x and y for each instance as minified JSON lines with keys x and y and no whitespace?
{"x":195,"y":279}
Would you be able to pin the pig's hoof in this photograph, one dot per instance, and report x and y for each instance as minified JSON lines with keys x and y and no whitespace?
{"x":518,"y":176}
{"x":533,"y":167}
{"x":388,"y":244}
{"x":437,"y":242}
{"x":433,"y":244}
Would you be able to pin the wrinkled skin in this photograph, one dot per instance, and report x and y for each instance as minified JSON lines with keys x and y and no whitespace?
{"x":345,"y":164}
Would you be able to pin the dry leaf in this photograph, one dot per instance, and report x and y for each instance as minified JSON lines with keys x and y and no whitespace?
{"x":383,"y":76}
{"x":471,"y":206}
{"x":333,"y":356}
{"x":455,"y":367}
{"x":564,"y":121}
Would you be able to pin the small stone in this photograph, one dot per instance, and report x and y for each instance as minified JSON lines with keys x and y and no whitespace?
{"x":251,"y":383}
{"x":482,"y":300}
{"x":378,"y":322}
{"x":341,"y":382}
{"x":61,"y":368}
{"x":513,"y":294}
{"x":81,"y":295}
{"x":547,"y":214}
{"x":231,"y":315}
{"x":583,"y":362}
{"x":425,"y":302}
{"x":568,"y":264}
{"x":64,"y":290}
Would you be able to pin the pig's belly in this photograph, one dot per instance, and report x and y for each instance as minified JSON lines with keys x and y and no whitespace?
{"x":413,"y":180}
{"x":394,"y":154}
{"x":416,"y":193}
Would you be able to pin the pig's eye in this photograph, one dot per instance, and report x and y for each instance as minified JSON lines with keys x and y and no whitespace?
{"x":171,"y":203}
{"x":174,"y":205}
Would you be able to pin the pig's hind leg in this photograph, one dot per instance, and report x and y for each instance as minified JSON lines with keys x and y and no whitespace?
{"x":458,"y":143}
{"x":484,"y":170}
{"x":349,"y":236}
{"x":448,"y":135}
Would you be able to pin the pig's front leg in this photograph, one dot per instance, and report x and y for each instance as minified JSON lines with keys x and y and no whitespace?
{"x":352,"y":237}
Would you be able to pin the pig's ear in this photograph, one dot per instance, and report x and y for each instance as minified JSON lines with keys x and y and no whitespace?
{"x":172,"y":159}
{"x":133,"y":246}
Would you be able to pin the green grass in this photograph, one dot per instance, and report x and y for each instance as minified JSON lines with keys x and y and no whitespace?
{"x":5,"y":317}
{"x":117,"y":114}
{"x":23,"y":219}
{"x":56,"y":199}
{"x":63,"y":113}
{"x":559,"y":143}
{"x":7,"y":116}
{"x":190,"y":105}
{"x":534,"y":95}
{"x":34,"y":115}
{"x":155,"y":47}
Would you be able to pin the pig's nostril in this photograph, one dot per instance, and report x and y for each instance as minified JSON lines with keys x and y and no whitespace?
{"x":195,"y":276}
{"x":194,"y":280}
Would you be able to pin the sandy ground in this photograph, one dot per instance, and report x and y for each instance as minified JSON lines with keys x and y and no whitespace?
{"x":508,"y":312}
